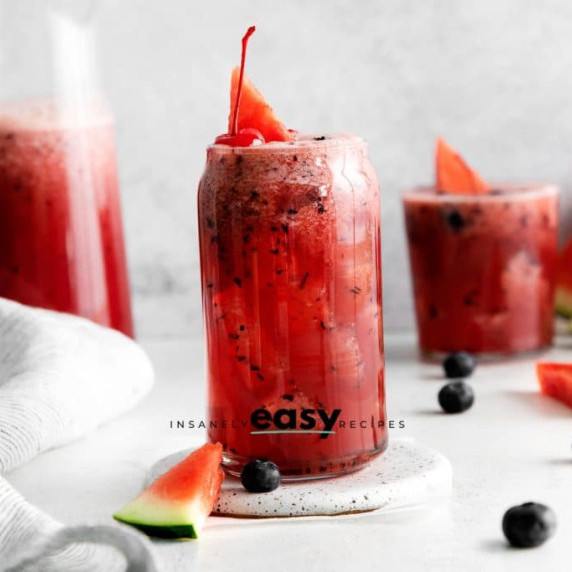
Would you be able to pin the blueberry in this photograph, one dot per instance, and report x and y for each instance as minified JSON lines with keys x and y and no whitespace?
{"x":456,"y":397}
{"x":260,"y":476}
{"x":528,"y":525}
{"x":456,"y":221}
{"x":459,"y":364}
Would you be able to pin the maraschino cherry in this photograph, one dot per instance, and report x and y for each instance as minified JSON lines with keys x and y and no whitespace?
{"x":248,"y":136}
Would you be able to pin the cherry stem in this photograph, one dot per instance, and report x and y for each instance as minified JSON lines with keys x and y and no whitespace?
{"x":245,"y":38}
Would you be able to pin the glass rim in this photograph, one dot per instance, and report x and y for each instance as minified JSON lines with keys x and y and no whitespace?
{"x":40,"y":114}
{"x":508,"y":191}
{"x":307,"y":143}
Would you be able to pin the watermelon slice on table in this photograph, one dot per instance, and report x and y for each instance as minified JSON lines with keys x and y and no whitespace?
{"x":178,"y":503}
{"x":564,"y":281}
{"x":254,"y":112}
{"x":555,"y":381}
{"x":453,"y":175}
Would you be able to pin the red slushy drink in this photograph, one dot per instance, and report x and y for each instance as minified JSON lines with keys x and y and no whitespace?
{"x":61,"y":239}
{"x":290,"y":250}
{"x":483,"y":267}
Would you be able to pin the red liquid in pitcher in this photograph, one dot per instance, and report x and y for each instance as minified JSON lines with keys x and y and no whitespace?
{"x":291,"y":275}
{"x":61,"y":238}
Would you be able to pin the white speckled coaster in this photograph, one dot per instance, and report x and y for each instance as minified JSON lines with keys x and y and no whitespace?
{"x":406,"y":474}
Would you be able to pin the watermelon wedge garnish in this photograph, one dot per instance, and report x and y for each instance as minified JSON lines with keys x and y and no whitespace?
{"x":564,"y":281}
{"x":254,"y":112}
{"x":555,"y":380}
{"x":251,"y":120}
{"x":178,"y":503}
{"x":454,"y":176}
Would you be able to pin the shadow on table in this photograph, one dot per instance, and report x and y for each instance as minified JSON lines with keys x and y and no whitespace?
{"x":435,"y":376}
{"x":496,"y":545}
{"x":428,"y":412}
{"x":429,"y":511}
{"x":543,"y":405}
{"x":561,"y":462}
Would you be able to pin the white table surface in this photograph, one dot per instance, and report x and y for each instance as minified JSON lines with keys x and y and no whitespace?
{"x":512,"y":446}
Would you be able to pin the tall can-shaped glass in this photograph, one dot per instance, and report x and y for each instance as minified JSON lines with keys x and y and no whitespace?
{"x":291,"y":278}
{"x":61,"y":236}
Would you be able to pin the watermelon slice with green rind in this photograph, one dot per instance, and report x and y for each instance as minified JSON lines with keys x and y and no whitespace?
{"x":178,"y":503}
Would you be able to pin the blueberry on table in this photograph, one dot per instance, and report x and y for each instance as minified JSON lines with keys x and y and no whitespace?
{"x":528,"y":525}
{"x":260,"y":476}
{"x":459,"y":364}
{"x":456,"y":397}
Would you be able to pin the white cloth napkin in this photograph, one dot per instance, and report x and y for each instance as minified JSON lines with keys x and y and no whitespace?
{"x":60,"y":377}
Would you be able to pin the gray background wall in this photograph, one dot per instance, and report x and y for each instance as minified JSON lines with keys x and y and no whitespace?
{"x":494,"y":77}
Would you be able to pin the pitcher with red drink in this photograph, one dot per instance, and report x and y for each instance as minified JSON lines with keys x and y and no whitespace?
{"x":61,"y":236}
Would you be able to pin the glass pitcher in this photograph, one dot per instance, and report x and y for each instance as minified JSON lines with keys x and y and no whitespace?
{"x":61,"y":235}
